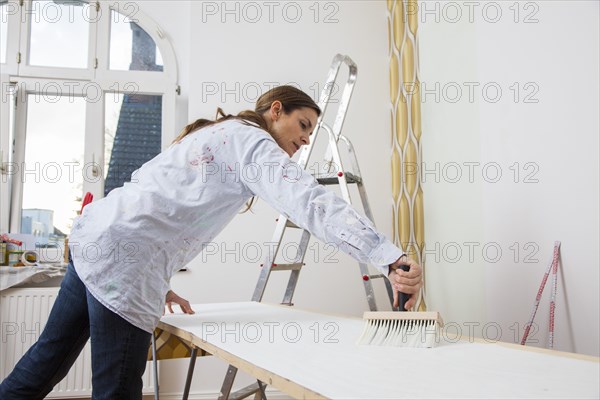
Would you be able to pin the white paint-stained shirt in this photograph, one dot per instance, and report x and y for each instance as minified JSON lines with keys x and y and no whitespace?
{"x":126,"y":246}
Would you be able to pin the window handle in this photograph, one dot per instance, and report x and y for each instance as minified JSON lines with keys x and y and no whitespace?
{"x":3,"y":169}
{"x":95,"y":169}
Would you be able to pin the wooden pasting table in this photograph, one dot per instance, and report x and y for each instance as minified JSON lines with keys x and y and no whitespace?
{"x":311,"y":355}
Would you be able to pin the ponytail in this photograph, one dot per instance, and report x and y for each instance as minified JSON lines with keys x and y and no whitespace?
{"x":244,"y":116}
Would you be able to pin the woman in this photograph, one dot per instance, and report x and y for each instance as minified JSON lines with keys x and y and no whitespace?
{"x":126,"y":247}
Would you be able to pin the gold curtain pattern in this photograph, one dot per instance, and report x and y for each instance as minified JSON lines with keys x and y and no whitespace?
{"x":405,"y":104}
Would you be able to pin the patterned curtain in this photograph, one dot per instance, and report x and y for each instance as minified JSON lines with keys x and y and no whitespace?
{"x":405,"y":104}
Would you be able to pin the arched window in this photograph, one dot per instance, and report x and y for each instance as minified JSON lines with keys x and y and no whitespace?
{"x":88,"y":88}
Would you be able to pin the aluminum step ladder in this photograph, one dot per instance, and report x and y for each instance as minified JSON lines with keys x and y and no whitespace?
{"x":332,"y":173}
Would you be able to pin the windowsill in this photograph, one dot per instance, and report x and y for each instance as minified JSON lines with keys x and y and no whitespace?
{"x":45,"y":275}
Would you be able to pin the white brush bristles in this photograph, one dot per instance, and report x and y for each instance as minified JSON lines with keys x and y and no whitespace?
{"x":399,"y":332}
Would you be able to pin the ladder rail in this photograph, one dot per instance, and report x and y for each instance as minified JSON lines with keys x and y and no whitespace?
{"x":342,"y":109}
{"x":338,"y":160}
{"x":294,"y":275}
{"x":356,"y":171}
{"x":325,"y":100}
{"x":362,"y":191}
{"x":263,"y":278}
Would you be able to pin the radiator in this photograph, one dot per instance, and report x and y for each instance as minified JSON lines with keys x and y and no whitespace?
{"x":23,"y":315}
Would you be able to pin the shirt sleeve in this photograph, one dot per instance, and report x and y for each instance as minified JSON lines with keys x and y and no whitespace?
{"x":296,"y":194}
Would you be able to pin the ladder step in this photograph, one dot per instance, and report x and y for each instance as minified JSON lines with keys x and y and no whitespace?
{"x":332,"y":179}
{"x":369,"y":277}
{"x":244,"y":392}
{"x":286,"y":267}
{"x":289,"y":224}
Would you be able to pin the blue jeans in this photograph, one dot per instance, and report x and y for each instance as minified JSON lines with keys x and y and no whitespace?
{"x":119,"y":349}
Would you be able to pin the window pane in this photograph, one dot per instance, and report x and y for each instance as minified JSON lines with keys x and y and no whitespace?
{"x":53,"y":178}
{"x":132,"y":135}
{"x":131,"y":48}
{"x":59,"y":33}
{"x":3,"y":30}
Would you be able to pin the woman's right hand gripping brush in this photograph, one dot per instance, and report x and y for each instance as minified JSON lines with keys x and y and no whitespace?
{"x":406,"y":279}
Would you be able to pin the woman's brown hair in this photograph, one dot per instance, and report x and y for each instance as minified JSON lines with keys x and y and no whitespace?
{"x":291,"y":99}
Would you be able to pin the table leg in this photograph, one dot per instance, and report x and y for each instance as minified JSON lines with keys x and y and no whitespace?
{"x":155,"y":366}
{"x":190,"y":374}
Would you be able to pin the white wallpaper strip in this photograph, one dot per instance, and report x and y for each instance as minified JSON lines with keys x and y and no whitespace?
{"x":319,"y":352}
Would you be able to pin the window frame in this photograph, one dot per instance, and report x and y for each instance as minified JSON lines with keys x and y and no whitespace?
{"x":72,"y":81}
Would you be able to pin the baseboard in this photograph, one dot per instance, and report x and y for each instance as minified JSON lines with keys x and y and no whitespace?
{"x":272,"y":394}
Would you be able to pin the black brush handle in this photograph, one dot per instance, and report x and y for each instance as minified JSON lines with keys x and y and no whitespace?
{"x":403,"y":297}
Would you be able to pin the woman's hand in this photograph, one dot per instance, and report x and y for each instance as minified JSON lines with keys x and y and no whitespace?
{"x":172,"y":297}
{"x":408,"y":282}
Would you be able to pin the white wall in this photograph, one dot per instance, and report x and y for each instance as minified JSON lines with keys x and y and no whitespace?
{"x":173,"y":19}
{"x":554,"y":197}
{"x":453,"y":204}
